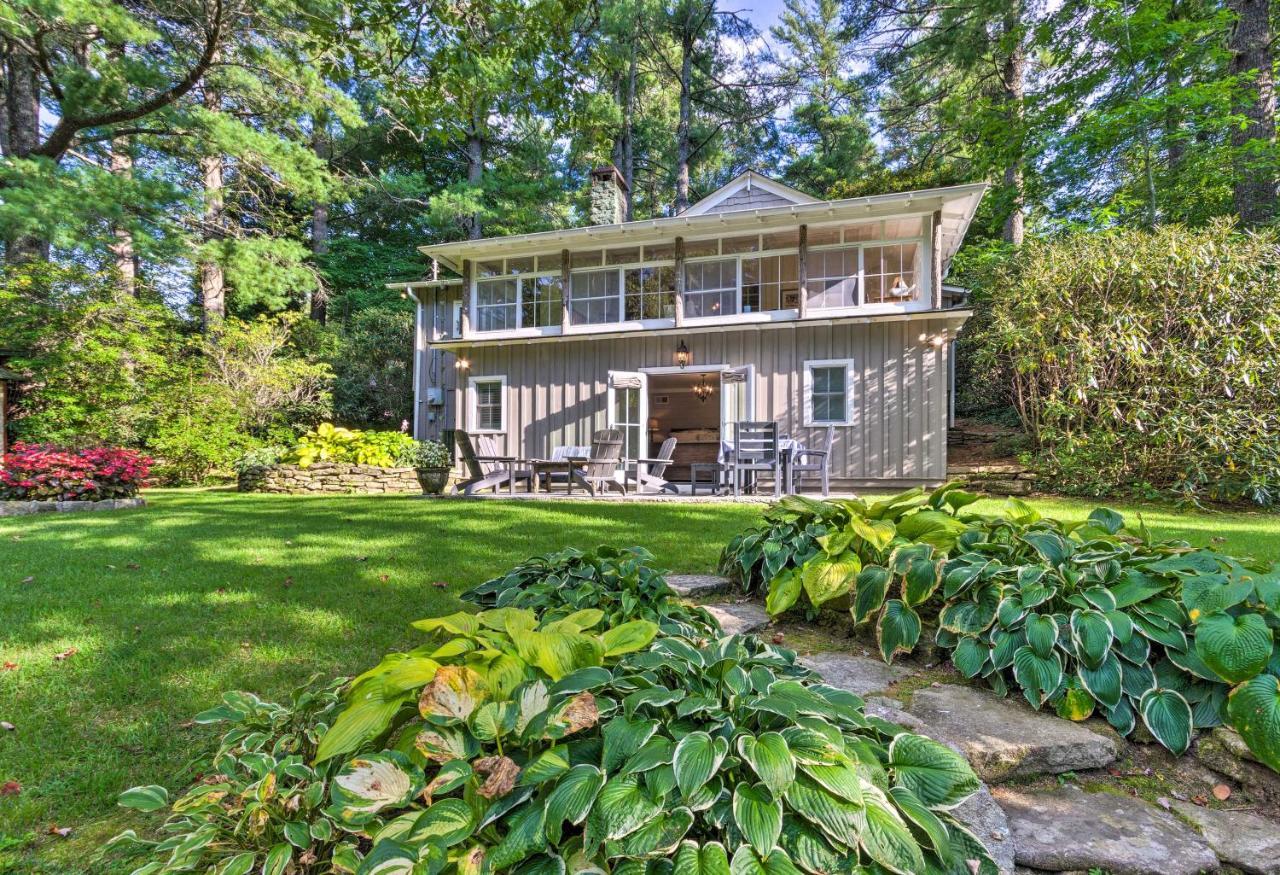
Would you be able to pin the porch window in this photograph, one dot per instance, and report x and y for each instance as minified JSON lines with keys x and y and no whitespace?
{"x":891,"y":273}
{"x":496,"y":305}
{"x":711,"y":288}
{"x":650,"y":293}
{"x":541,"y":301}
{"x":770,"y":283}
{"x":828,"y":392}
{"x":593,"y":297}
{"x":833,"y":278}
{"x":488,"y":404}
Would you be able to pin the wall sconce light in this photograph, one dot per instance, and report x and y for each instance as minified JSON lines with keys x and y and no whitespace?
{"x":682,"y":355}
{"x":461,"y":364}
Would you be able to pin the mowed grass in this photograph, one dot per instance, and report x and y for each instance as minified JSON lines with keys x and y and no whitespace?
{"x":207,"y":591}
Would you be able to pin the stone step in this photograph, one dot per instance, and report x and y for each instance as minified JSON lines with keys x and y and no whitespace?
{"x":691,"y":585}
{"x":857,"y":674}
{"x":1065,"y":829}
{"x":1246,"y":841}
{"x":1004,"y":739}
{"x":739,"y":618}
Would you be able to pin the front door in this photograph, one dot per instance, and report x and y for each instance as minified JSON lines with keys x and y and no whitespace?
{"x":629,"y":411}
{"x":737,"y":398}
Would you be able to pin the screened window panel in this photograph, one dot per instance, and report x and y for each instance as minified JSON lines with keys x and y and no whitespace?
{"x":892,"y":273}
{"x":711,"y":288}
{"x":650,"y":293}
{"x":833,"y":278}
{"x":770,"y":283}
{"x":593,"y":297}
{"x":496,"y":305}
{"x":542,"y":301}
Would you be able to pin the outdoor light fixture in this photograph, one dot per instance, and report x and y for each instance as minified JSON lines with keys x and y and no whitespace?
{"x":461,"y":364}
{"x":682,"y":355}
{"x":702,"y":389}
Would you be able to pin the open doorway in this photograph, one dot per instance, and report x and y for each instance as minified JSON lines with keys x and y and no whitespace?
{"x":685,"y":406}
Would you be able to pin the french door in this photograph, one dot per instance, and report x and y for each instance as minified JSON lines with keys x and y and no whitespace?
{"x":629,"y":411}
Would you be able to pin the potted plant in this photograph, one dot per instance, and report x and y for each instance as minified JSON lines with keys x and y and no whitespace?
{"x":431,"y":464}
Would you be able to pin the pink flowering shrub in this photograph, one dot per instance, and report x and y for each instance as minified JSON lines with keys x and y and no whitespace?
{"x":34,"y":472}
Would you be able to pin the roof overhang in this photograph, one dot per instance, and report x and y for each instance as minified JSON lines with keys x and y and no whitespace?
{"x":956,"y":203}
{"x":954,"y":317}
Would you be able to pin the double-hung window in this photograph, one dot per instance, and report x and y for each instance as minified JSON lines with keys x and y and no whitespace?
{"x":711,"y":288}
{"x":833,"y":278}
{"x":488,"y":405}
{"x":828,"y":392}
{"x":541,"y":301}
{"x":593,"y":297}
{"x":892,"y":273}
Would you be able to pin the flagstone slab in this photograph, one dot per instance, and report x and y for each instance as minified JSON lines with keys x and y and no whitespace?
{"x":739,"y":618}
{"x":1002,"y":739}
{"x":691,"y":585}
{"x":1064,"y":829}
{"x":1246,"y":841}
{"x":985,"y":819}
{"x":857,"y":674}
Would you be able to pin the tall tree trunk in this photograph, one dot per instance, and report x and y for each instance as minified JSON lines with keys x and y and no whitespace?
{"x":1013,"y":79}
{"x":475,"y":169}
{"x":319,"y":235}
{"x":1255,"y":172}
{"x":22,"y":134}
{"x":683,"y":146}
{"x":213,"y":292}
{"x":122,"y":251}
{"x":628,"y":124}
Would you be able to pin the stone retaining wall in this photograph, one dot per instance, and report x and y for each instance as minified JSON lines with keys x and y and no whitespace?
{"x":328,"y":477}
{"x":998,"y":478}
{"x":21,"y":508}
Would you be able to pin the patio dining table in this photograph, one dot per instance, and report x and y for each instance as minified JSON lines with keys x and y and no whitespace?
{"x":787,"y":449}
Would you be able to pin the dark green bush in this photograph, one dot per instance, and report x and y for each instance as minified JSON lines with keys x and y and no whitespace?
{"x":1143,"y":360}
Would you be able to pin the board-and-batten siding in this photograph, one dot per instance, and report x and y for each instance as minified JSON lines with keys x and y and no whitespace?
{"x":557,"y":389}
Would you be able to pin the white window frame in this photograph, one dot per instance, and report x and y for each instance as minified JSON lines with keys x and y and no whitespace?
{"x":850,"y":382}
{"x":473,"y":411}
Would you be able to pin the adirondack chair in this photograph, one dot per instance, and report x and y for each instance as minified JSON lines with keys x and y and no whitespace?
{"x":814,"y":462}
{"x":649,"y":471}
{"x":601,"y":469}
{"x":486,"y":467}
{"x":755,"y":450}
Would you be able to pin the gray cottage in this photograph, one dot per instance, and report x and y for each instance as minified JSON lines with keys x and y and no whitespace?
{"x":758,"y":302}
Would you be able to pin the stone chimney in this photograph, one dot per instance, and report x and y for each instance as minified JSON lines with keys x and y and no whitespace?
{"x":608,"y":196}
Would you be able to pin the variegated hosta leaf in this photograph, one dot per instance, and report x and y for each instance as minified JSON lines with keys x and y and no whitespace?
{"x":622,"y":738}
{"x":526,"y":835}
{"x":934,"y":830}
{"x":1092,"y":636}
{"x":770,"y":758}
{"x":1042,"y":634}
{"x":973,"y":614}
{"x":886,"y":838}
{"x":448,"y":822}
{"x":1254,"y":709}
{"x":748,"y":862}
{"x":825,"y":578}
{"x":454,"y":692}
{"x":708,"y":858}
{"x":1105,"y":683}
{"x":623,"y":806}
{"x":937,"y":775}
{"x":870,"y":588}
{"x":1167,"y":716}
{"x":389,"y":858}
{"x":367,"y":785}
{"x":572,"y":798}
{"x":897,"y":629}
{"x":1038,"y":677}
{"x":697,"y":757}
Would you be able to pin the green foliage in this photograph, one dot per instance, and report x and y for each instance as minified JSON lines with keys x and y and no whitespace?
{"x":619,"y":582}
{"x":426,"y":454}
{"x":330,"y":443}
{"x":373,"y":367}
{"x":1142,"y":357}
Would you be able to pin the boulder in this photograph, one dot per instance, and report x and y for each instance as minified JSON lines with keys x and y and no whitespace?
{"x":857,"y":674}
{"x":1065,"y":829}
{"x":1003,"y":739}
{"x":1223,"y":750}
{"x":985,"y":819}
{"x":689,"y":585}
{"x":1244,"y":840}
{"x":739,"y":618}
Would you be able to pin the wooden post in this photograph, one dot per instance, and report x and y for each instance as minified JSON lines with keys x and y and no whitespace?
{"x":802,"y":271}
{"x":466,"y":298}
{"x":679,"y":282}
{"x":935,"y":262}
{"x":564,"y":291}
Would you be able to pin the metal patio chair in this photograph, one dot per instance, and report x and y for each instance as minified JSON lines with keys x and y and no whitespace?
{"x":815,"y":462}
{"x":755,"y":451}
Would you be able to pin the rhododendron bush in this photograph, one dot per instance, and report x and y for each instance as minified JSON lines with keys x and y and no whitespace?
{"x":42,"y":472}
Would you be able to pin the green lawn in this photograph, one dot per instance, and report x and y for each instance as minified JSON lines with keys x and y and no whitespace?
{"x":206,"y":591}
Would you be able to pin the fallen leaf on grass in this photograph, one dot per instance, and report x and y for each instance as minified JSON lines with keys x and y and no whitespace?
{"x":10,"y":788}
{"x":362,"y":558}
{"x":55,"y":830}
{"x":112,"y":567}
{"x":65,"y":655}
{"x":778,"y":638}
{"x":7,"y":726}
{"x":439,"y":584}
{"x":288,"y":582}
{"x":10,"y":666}
{"x":1221,"y":792}
{"x":29,"y":579}
{"x":1163,"y":802}
{"x":384,"y":577}
{"x":1200,"y":800}
{"x":133,"y":566}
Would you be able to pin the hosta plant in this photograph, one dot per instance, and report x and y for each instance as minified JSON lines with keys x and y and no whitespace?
{"x":619,"y":582}
{"x":816,"y":549}
{"x":483,"y":658}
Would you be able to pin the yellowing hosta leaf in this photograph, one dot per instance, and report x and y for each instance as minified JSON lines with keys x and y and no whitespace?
{"x":825,"y":578}
{"x":1254,"y":709}
{"x":366,"y":785}
{"x":784,"y":590}
{"x":362,"y":720}
{"x":628,"y":637}
{"x":460,"y":623}
{"x":454,"y":692}
{"x":558,"y":653}
{"x":409,"y":674}
{"x":877,"y":533}
{"x":1076,"y":703}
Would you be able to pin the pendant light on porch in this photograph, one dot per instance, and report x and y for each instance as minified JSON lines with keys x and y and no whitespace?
{"x":702,"y":389}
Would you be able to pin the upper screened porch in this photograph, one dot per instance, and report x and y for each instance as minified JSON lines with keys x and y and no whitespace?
{"x":717,"y":264}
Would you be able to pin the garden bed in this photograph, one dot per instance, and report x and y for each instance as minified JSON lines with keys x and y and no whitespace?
{"x":328,"y":477}
{"x":22,"y":508}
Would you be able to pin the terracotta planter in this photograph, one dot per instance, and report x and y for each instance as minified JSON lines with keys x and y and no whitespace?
{"x":432,"y":480}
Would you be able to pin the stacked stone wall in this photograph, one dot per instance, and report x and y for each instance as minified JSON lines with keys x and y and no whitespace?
{"x":328,"y":477}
